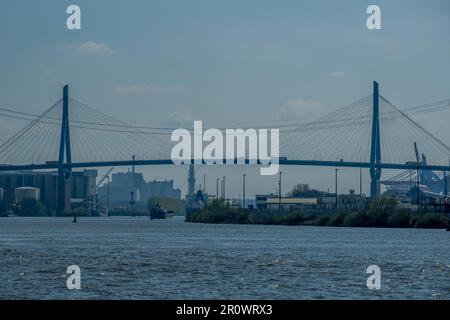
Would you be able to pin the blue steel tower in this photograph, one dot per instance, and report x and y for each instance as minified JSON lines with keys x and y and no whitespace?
{"x":65,"y":158}
{"x":375,"y":150}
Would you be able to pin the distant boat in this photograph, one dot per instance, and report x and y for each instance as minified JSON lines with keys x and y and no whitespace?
{"x":170,"y":214}
{"x":157,"y":212}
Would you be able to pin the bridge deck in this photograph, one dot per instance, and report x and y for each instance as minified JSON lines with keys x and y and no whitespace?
{"x":282,"y":161}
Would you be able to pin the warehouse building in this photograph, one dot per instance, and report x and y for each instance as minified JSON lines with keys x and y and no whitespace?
{"x":82,"y":185}
{"x":124,"y":183}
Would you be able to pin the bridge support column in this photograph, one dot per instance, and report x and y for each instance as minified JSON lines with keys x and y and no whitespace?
{"x":65,"y":158}
{"x":375,"y":150}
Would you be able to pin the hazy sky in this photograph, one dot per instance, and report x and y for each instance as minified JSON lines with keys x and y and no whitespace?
{"x":226,"y":63}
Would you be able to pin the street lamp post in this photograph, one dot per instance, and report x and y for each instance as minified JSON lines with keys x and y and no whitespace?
{"x":107,"y":197}
{"x":336,"y":187}
{"x":223,"y":188}
{"x":217,"y":188}
{"x":418,"y":186}
{"x":410,"y":187}
{"x":445,"y":186}
{"x":243,"y":191}
{"x":360,"y":182}
{"x":279,"y":191}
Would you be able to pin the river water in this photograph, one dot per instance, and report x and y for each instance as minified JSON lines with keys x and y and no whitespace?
{"x":135,"y":258}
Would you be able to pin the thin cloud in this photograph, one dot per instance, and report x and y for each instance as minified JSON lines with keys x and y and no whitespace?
{"x":304,"y":110}
{"x":91,"y":47}
{"x":181,"y":116}
{"x":337,"y":74}
{"x":151,"y":87}
{"x":48,"y":72}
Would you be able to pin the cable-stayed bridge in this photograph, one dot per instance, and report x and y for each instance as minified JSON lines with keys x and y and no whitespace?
{"x":370,"y":133}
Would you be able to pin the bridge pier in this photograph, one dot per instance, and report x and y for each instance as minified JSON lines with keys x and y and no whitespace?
{"x":65,"y":157}
{"x":375,"y":150}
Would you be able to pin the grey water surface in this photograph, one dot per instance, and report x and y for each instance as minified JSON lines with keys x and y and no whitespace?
{"x":136,"y":258}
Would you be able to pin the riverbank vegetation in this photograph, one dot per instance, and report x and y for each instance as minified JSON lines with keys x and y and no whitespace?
{"x":382,"y":213}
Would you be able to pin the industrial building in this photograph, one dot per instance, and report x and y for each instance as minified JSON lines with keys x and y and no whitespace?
{"x":23,"y":193}
{"x":274,"y":202}
{"x":350,"y":201}
{"x":427,"y":180}
{"x":123,"y":184}
{"x":15,"y":184}
{"x":422,"y":196}
{"x":197,"y":197}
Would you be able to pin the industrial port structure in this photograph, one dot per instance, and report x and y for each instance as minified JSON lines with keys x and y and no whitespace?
{"x":89,"y":126}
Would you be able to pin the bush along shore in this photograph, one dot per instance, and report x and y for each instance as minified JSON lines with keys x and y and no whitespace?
{"x":382,"y":213}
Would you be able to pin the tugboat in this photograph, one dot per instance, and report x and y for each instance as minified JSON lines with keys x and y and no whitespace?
{"x":170,"y":214}
{"x":157,"y":212}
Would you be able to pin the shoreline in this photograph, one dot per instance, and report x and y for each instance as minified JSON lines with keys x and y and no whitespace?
{"x":358,"y":219}
{"x":428,"y":221}
{"x":312,"y":225}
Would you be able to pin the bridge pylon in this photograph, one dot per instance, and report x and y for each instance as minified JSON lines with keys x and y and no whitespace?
{"x":375,"y":149}
{"x":65,"y":157}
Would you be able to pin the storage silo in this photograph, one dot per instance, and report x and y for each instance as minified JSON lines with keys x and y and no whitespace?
{"x":23,"y":193}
